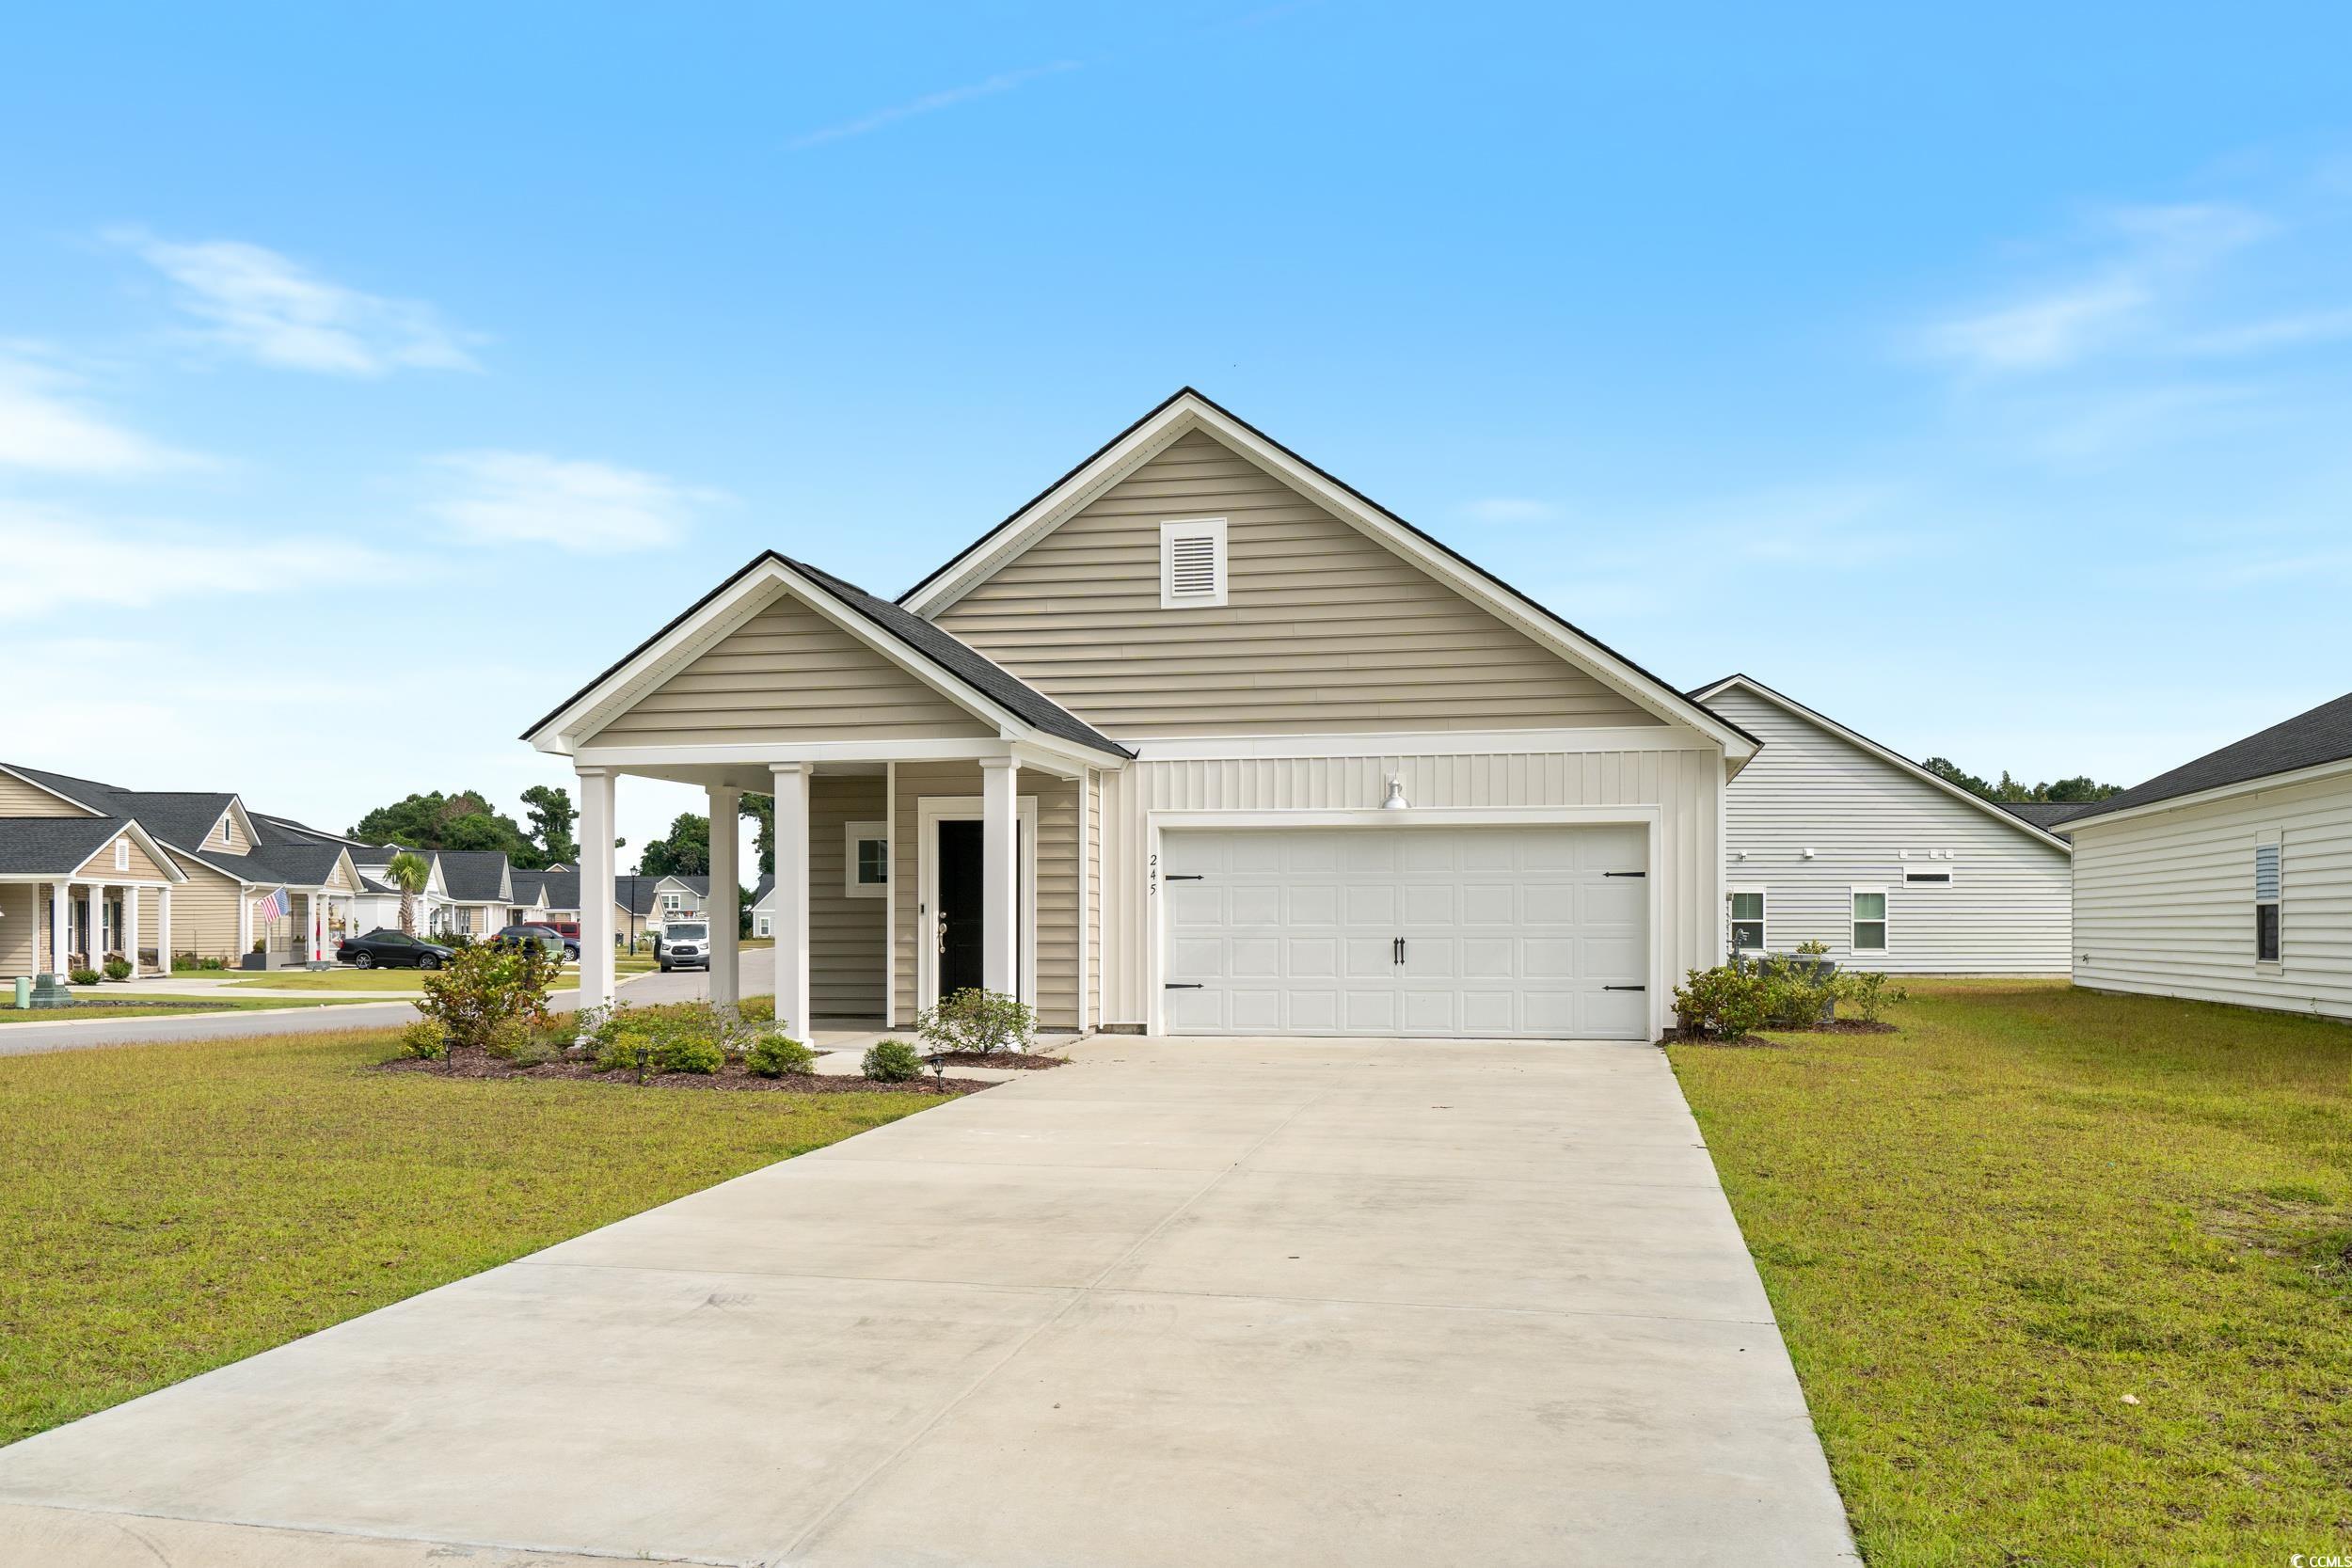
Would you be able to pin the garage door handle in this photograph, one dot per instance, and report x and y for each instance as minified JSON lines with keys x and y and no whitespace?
{"x":1625,"y":873}
{"x":1185,"y":985}
{"x":1625,"y":988}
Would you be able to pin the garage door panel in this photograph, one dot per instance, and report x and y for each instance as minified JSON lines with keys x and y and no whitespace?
{"x":1506,"y":931}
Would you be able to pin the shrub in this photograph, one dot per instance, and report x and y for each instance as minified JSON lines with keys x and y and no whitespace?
{"x":82,"y":976}
{"x":627,"y":1051}
{"x":507,"y":1037}
{"x":893,"y":1062}
{"x":773,"y":1056}
{"x":1799,"y":992}
{"x":536,"y":1049}
{"x":756,"y":1009}
{"x":117,"y":967}
{"x":424,"y":1040}
{"x":483,"y":989}
{"x":978,"y":1020}
{"x":1869,"y":993}
{"x":1727,"y":1002}
{"x":693,"y":1056}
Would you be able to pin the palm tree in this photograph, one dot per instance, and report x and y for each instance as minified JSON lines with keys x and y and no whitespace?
{"x":409,"y":873}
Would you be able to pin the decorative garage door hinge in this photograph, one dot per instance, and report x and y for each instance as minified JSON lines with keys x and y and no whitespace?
{"x":1625,"y":988}
{"x":1185,"y":985}
{"x":1625,"y":873}
{"x":1185,"y":877}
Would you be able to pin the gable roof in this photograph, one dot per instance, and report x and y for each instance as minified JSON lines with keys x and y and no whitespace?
{"x":2045,"y":814}
{"x":1790,"y":705}
{"x":957,"y":669}
{"x":474,"y":876}
{"x":1186,"y":410}
{"x":181,"y":819}
{"x":2309,"y":739}
{"x":58,"y":845}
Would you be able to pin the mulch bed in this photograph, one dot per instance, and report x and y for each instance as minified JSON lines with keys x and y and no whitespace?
{"x":1023,"y":1060}
{"x":477,"y":1063}
{"x":1758,"y":1042}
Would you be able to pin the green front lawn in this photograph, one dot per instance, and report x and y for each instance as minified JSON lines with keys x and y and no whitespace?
{"x":405,"y":982}
{"x":2068,"y":1277}
{"x":166,"y":1209}
{"x":164,"y":1006}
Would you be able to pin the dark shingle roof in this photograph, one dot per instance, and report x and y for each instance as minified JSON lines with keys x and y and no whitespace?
{"x":52,"y":846}
{"x":974,"y":669}
{"x":181,"y":818}
{"x":474,"y":876}
{"x":562,"y":888}
{"x":2045,"y":814}
{"x":2308,"y":739}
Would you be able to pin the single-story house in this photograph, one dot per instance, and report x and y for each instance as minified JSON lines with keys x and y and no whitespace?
{"x":480,"y":891}
{"x":1199,"y":741}
{"x":2227,"y":879}
{"x":76,"y":890}
{"x":1836,"y":839}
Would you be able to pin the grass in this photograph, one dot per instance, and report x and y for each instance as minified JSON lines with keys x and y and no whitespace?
{"x":1989,"y":1234}
{"x":404,"y":982}
{"x":167,"y":1209}
{"x":180,"y":1004}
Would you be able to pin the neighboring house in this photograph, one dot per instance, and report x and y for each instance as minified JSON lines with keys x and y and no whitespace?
{"x":480,"y":891}
{"x":2046,"y":814}
{"x":75,"y":888}
{"x":763,"y":899}
{"x":227,"y":864}
{"x":2227,"y":879}
{"x":1834,"y":839}
{"x":1199,"y":741}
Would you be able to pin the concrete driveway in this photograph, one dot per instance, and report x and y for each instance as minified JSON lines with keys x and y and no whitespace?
{"x":1184,"y":1304}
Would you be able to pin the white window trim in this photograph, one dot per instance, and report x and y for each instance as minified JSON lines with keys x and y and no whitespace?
{"x":852,"y":833}
{"x":1944,"y":875}
{"x":1764,"y":920}
{"x":1192,"y":527}
{"x":2271,"y":838}
{"x":1887,"y":922}
{"x":122,"y":854}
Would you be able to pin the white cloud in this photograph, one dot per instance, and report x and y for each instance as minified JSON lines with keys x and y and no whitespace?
{"x":43,"y":426}
{"x":531,"y":498}
{"x":1510,"y":509}
{"x":2043,"y":333}
{"x":930,"y":102}
{"x":59,"y":560}
{"x":269,"y":309}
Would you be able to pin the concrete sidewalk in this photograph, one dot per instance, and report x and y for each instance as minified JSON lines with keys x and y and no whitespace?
{"x":1182,"y":1303}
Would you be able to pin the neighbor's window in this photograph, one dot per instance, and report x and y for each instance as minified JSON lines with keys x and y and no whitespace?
{"x":1869,"y":921}
{"x":864,"y":860}
{"x":1192,"y":562}
{"x":2266,"y":903}
{"x":122,"y":854}
{"x":1747,"y":919}
{"x":673,"y":902}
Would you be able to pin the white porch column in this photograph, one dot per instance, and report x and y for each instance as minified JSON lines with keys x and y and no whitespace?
{"x":314,"y":944}
{"x":1000,"y":840}
{"x":94,"y":912}
{"x":131,"y":929}
{"x":596,"y":887}
{"x":163,"y":932}
{"x":61,"y":927}
{"x":245,"y":924}
{"x":790,"y":838}
{"x":725,"y":907}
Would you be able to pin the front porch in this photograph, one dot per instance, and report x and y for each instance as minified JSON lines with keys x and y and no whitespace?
{"x":900,"y":878}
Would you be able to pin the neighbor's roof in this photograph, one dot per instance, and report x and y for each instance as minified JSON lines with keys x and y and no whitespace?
{"x":2322,"y":735}
{"x":968,"y":665}
{"x":179,"y":818}
{"x":52,"y":846}
{"x":2045,"y":814}
{"x":474,"y":876}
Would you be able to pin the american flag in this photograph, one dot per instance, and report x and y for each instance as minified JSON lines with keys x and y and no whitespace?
{"x":273,"y":906}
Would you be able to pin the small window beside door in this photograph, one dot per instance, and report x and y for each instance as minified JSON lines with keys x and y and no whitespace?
{"x":1747,"y":919}
{"x":1869,"y":920}
{"x":864,"y":860}
{"x":2266,"y":903}
{"x":1192,"y":564}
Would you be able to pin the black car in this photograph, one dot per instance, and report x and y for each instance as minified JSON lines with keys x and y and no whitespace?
{"x":546,"y":936}
{"x":381,"y":949}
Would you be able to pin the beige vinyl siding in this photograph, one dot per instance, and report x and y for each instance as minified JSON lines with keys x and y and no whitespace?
{"x":1324,"y":630}
{"x":101,"y":867}
{"x":1686,"y":785}
{"x":2164,"y":904}
{"x":1056,"y":882}
{"x":846,"y":935}
{"x":227,"y":836}
{"x":19,"y":798}
{"x":20,"y":930}
{"x":204,"y":913}
{"x":1866,"y":821}
{"x":789,"y":675}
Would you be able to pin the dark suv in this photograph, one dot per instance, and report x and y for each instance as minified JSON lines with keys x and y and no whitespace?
{"x":546,"y":936}
{"x":384,"y":949}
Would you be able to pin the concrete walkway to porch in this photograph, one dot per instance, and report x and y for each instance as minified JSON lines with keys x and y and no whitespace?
{"x":1182,"y":1303}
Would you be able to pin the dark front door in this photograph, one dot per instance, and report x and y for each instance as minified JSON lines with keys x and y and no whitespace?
{"x":960,"y":907}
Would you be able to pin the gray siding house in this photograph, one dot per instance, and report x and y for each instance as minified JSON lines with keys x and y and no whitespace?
{"x":1833,"y":838}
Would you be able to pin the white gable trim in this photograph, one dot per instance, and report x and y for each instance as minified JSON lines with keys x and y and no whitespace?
{"x":758,"y":586}
{"x":1188,"y":412}
{"x":1797,"y":709}
{"x":53,"y":793}
{"x":154,"y":851}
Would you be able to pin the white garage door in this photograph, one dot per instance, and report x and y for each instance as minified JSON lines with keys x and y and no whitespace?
{"x":1537,"y":932}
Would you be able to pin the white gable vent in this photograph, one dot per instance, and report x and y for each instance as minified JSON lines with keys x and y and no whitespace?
{"x":1192,"y":562}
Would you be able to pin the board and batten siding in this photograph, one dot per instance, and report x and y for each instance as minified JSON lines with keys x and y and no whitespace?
{"x":845,"y":935}
{"x":2164,"y":904}
{"x":789,"y":675}
{"x":1683,"y":778}
{"x":1864,"y":820}
{"x":1324,"y":630}
{"x":1057,"y":862}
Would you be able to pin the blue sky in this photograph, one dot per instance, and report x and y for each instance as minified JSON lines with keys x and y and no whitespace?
{"x":367,"y":383}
